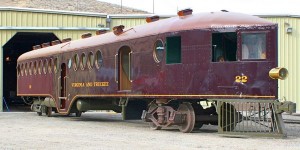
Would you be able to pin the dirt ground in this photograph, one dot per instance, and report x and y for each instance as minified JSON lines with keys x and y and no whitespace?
{"x":27,"y":130}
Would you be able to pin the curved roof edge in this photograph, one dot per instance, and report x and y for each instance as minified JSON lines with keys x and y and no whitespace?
{"x":77,"y":13}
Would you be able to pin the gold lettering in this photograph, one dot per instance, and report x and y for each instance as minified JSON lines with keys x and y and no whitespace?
{"x":89,"y":84}
{"x":101,"y":83}
{"x":77,"y":84}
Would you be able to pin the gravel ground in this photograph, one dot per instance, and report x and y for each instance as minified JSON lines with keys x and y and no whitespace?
{"x":26,"y":130}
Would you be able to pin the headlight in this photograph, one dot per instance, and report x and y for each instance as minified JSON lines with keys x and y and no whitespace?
{"x":278,"y":73}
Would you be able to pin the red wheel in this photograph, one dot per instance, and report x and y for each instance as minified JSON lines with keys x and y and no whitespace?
{"x":189,"y":120}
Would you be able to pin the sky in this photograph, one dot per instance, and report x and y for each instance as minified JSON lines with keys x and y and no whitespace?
{"x":170,"y":7}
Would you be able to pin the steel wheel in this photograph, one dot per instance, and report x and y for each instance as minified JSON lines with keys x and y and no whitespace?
{"x":152,"y":125}
{"x":189,"y":120}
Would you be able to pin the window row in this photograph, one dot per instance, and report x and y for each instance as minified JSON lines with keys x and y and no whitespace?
{"x":38,"y":67}
{"x":51,"y":65}
{"x":86,"y":61}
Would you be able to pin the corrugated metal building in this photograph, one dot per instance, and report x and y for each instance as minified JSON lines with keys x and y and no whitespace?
{"x":288,"y":52}
{"x":21,"y":28}
{"x":64,"y":24}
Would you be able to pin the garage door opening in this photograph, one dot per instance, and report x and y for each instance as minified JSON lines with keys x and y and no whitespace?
{"x":20,"y":43}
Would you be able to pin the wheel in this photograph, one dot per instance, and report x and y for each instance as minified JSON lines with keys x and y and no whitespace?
{"x":78,"y":113}
{"x":152,"y":125}
{"x":189,"y":120}
{"x":49,"y":111}
{"x":228,"y":113}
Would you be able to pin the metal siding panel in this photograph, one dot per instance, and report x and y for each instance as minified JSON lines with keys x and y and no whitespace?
{"x":34,"y":20}
{"x":128,"y":23}
{"x":288,"y":55}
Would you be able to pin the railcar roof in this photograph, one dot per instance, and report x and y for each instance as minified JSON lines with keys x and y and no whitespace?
{"x":195,"y":21}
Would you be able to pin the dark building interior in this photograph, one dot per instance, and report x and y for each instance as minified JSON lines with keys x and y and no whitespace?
{"x":20,"y":43}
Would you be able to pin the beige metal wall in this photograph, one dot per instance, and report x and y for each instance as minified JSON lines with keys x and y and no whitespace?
{"x":130,"y":20}
{"x":28,"y":18}
{"x":63,"y":24}
{"x":289,"y":56}
{"x":128,"y":23}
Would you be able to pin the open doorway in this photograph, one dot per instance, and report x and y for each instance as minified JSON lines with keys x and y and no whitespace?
{"x":20,"y":43}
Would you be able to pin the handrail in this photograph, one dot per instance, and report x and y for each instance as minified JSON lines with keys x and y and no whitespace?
{"x":129,"y":73}
{"x":116,"y":68}
{"x":59,"y":86}
{"x":65,"y":78}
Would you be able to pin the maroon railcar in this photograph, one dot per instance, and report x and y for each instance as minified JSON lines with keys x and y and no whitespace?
{"x":165,"y":67}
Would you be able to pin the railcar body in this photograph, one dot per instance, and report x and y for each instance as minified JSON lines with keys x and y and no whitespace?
{"x":167,"y":65}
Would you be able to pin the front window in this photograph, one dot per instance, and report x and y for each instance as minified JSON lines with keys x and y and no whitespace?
{"x":173,"y":50}
{"x":224,"y":46}
{"x":253,"y":46}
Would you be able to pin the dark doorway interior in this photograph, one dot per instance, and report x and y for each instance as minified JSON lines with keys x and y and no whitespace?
{"x":20,"y":43}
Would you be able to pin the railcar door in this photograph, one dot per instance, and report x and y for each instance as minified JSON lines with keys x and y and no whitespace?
{"x":62,"y":86}
{"x":124,"y":69}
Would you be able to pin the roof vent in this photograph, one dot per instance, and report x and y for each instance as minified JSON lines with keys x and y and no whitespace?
{"x":55,"y":42}
{"x":36,"y":47}
{"x":223,"y":10}
{"x":86,"y":35}
{"x":66,"y":40}
{"x":99,"y":32}
{"x":118,"y":29}
{"x":152,"y":19}
{"x":46,"y":44}
{"x":185,"y":12}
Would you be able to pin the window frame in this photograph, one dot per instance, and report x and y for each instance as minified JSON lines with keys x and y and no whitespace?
{"x":266,"y":32}
{"x":155,"y":55}
{"x":167,"y":50}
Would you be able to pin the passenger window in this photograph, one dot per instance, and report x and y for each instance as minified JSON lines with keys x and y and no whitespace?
{"x":69,"y":63}
{"x":30,"y":68}
{"x":99,"y":60}
{"x":158,"y":52}
{"x":18,"y":70}
{"x":75,"y":62}
{"x":253,"y":46}
{"x":83,"y":61}
{"x":45,"y":65}
{"x":55,"y":65}
{"x":50,"y":64}
{"x":91,"y":60}
{"x":26,"y":67}
{"x":224,"y":46}
{"x":40,"y":67}
{"x":173,"y":50}
{"x":34,"y":67}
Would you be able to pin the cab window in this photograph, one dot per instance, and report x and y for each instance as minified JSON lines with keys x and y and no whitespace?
{"x":253,"y":46}
{"x":224,"y":46}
